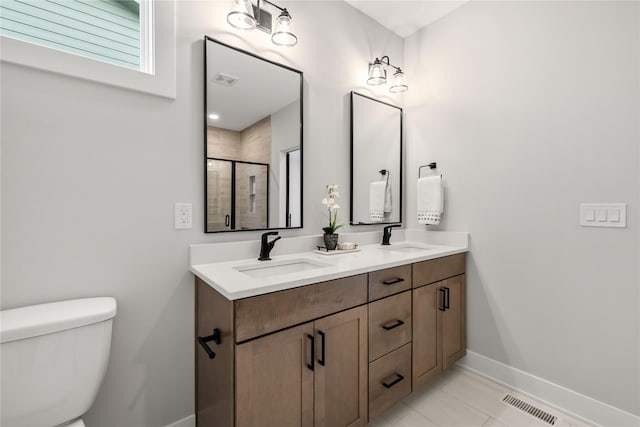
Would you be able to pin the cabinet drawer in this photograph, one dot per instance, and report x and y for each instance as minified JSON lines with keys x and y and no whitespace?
{"x":389,"y":281}
{"x":389,"y":324}
{"x":271,"y":312}
{"x":434,"y":270}
{"x":389,"y":380}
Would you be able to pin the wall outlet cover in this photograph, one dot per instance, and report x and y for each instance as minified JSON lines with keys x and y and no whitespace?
{"x":183,"y":216}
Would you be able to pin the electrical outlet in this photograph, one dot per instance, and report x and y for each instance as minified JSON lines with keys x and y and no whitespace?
{"x":184,"y":216}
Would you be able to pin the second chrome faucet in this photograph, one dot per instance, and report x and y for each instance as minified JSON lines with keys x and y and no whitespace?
{"x":266,"y":246}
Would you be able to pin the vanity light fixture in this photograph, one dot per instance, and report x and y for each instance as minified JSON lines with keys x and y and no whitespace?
{"x":378,"y":75}
{"x":246,"y":16}
{"x":214,"y":116}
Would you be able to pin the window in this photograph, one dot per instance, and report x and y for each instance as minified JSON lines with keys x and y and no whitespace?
{"x":87,"y":38}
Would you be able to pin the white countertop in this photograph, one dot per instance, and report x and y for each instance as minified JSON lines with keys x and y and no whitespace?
{"x":226,"y":278}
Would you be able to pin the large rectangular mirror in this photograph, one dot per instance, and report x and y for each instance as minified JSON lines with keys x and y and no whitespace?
{"x":253,"y":141}
{"x":376,"y":161}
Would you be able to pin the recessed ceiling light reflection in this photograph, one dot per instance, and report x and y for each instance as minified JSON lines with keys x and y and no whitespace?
{"x":214,"y":116}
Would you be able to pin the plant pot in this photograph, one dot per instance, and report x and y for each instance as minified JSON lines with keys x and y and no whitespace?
{"x":330,"y":241}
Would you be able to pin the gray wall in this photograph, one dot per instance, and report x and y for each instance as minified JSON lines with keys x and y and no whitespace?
{"x":90,"y":174}
{"x":529,"y":109}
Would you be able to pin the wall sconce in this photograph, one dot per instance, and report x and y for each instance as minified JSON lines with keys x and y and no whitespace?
{"x":246,"y":16}
{"x":378,"y":75}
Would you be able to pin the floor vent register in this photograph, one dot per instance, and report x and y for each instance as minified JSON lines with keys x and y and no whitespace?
{"x":530,"y":409}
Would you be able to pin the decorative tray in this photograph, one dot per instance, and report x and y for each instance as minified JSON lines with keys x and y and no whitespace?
{"x":324,"y":251}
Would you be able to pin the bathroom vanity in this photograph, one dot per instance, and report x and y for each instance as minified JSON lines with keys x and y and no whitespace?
{"x":335,"y":343}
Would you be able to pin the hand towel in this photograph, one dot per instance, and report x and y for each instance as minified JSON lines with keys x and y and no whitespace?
{"x":387,"y":195}
{"x":376,"y":200}
{"x":430,"y":200}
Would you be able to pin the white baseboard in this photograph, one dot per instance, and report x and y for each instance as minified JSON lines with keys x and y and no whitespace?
{"x":574,"y":403}
{"x":189,"y":421}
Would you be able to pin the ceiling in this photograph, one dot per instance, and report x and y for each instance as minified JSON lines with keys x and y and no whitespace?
{"x":406,"y":17}
{"x":243,"y":89}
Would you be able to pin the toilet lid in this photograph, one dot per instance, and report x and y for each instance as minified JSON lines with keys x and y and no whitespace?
{"x":34,"y":320}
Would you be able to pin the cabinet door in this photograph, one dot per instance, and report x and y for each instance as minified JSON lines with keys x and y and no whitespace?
{"x":341,"y":369}
{"x":274,"y":384}
{"x":427,"y":357}
{"x":453,"y":321}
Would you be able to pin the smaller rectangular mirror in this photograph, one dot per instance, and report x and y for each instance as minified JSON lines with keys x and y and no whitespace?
{"x":376,"y":161}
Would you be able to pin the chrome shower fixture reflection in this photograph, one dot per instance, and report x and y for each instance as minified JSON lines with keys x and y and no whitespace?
{"x":246,"y":16}
{"x":378,"y":75}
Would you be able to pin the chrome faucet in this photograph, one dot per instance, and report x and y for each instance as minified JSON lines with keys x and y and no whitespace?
{"x":266,"y":246}
{"x":387,"y":233}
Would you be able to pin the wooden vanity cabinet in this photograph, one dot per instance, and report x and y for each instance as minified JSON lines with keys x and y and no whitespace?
{"x":331,"y":354}
{"x":269,"y":370}
{"x":439,"y":327}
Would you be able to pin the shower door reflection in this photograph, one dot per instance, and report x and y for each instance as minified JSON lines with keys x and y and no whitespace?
{"x":237,"y":195}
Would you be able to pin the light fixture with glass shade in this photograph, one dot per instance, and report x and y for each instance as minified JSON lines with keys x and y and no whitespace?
{"x":378,"y":75}
{"x":246,"y":16}
{"x":241,"y":16}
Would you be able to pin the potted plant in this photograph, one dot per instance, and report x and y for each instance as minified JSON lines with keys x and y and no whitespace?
{"x":330,"y":236}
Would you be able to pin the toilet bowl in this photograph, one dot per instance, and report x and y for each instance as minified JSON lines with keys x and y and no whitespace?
{"x":53,"y":359}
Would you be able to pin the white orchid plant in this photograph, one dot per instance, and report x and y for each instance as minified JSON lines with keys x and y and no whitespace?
{"x":332,"y":208}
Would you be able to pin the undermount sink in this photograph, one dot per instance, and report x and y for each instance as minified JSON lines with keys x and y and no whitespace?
{"x":278,"y":268}
{"x":405,"y":248}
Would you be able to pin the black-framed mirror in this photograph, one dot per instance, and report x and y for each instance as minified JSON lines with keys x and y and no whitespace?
{"x":376,"y":161}
{"x":253,"y":141}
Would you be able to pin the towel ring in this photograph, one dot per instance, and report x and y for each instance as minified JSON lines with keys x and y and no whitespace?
{"x":431,"y":165}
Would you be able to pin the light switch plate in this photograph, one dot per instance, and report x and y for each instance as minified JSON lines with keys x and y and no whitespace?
{"x":603,"y":215}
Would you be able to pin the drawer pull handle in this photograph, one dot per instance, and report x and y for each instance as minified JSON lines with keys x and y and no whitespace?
{"x":321,"y":361}
{"x":395,"y":324}
{"x":393,"y":282}
{"x":443,"y":306}
{"x":313,"y":352}
{"x":215,"y":337}
{"x":394,"y":382}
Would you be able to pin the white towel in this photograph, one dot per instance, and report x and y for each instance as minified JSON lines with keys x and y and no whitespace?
{"x":430,"y":199}
{"x":376,"y":200}
{"x":387,"y":195}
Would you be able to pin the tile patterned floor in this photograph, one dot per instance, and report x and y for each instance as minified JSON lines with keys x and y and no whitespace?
{"x":460,"y":398}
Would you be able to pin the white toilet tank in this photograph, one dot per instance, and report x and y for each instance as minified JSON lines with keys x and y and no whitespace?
{"x":53,"y":360}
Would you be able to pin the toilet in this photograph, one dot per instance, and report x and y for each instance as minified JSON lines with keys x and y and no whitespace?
{"x":53,"y":359}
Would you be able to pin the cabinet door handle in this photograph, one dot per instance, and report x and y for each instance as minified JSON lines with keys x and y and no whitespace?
{"x":442,"y":306}
{"x":394,"y":324}
{"x":393,"y":282}
{"x":313,"y":352}
{"x":321,"y":361}
{"x":394,"y":382}
{"x":215,"y":337}
{"x":227,"y":220}
{"x":446,"y":301}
